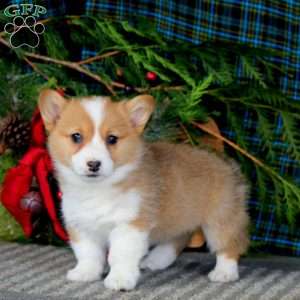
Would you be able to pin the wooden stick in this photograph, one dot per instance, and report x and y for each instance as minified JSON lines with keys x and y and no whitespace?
{"x":190,"y":139}
{"x":73,"y":66}
{"x":159,"y":88}
{"x":98,"y":57}
{"x":68,"y":64}
{"x":35,"y":68}
{"x":230,"y":143}
{"x":77,"y":66}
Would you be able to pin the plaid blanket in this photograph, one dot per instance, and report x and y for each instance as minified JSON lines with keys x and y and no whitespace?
{"x":265,"y":24}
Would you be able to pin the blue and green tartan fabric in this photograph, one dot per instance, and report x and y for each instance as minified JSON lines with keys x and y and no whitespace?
{"x":257,"y":23}
{"x":262,"y":24}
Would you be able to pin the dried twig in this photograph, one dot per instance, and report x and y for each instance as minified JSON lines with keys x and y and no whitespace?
{"x":35,"y":68}
{"x":71,"y":65}
{"x":258,"y":162}
{"x":190,"y":139}
{"x":4,"y":42}
{"x":160,"y":88}
{"x":230,"y":143}
{"x":98,"y":57}
{"x":78,"y":67}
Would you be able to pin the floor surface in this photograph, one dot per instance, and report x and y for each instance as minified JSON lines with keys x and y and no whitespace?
{"x":32,"y":272}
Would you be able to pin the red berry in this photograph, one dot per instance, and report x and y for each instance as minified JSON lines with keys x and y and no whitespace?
{"x":151,"y":76}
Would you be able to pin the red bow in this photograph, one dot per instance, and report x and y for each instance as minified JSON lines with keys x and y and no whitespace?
{"x":35,"y":163}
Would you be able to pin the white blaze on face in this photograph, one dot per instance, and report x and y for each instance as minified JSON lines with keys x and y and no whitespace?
{"x":96,"y":149}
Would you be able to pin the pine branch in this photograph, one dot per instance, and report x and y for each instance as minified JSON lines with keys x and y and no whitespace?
{"x":77,"y":66}
{"x":73,"y":66}
{"x":266,"y":130}
{"x":194,"y":80}
{"x":252,"y":72}
{"x":261,"y":183}
{"x":235,"y":121}
{"x":180,"y":71}
{"x":199,"y":90}
{"x":291,"y":135}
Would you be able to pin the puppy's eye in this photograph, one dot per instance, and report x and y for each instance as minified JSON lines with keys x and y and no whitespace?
{"x":111,"y":139}
{"x":76,"y":138}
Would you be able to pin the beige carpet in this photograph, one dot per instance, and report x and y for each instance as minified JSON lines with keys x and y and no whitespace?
{"x":35,"y":272}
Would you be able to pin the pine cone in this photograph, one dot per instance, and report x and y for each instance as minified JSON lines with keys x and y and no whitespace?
{"x":15,"y":133}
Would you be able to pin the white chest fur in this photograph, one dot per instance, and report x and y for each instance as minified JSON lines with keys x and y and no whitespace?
{"x":94,"y":206}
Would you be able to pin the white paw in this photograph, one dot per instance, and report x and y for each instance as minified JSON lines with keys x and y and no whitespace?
{"x":82,"y":273}
{"x":161,"y":257}
{"x":218,"y":275}
{"x":121,"y":279}
{"x":225,"y":270}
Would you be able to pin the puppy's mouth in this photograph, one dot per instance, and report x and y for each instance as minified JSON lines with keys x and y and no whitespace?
{"x":93,"y":175}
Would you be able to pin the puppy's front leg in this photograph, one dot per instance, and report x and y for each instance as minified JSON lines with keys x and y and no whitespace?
{"x":128,"y":245}
{"x":90,"y":253}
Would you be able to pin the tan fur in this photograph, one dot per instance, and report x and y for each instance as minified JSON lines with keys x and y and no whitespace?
{"x":117,"y":122}
{"x":51,"y":105}
{"x":183,"y":188}
{"x":74,"y":120}
{"x":196,"y":189}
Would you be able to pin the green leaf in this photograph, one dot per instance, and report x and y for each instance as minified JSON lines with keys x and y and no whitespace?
{"x":291,"y":135}
{"x":252,"y":72}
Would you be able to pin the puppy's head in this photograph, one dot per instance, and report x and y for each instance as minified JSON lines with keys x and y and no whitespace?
{"x":93,"y":137}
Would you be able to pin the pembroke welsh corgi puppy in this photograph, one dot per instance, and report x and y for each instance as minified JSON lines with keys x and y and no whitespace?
{"x":126,"y":196}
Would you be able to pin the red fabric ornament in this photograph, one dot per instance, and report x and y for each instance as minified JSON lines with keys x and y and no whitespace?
{"x":151,"y":76}
{"x":17,"y":183}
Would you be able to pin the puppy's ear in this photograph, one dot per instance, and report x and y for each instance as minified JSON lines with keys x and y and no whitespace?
{"x":140,"y":109}
{"x":51,"y":104}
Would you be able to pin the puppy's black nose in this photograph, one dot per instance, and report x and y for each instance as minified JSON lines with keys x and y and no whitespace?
{"x":94,"y":165}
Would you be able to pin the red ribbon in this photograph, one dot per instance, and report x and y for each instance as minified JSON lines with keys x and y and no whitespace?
{"x":35,"y":163}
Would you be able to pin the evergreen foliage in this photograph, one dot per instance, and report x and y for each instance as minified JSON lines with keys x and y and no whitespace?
{"x":194,"y":83}
{"x":9,"y":228}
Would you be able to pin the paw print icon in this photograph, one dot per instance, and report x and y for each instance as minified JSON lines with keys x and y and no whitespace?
{"x":24,"y":32}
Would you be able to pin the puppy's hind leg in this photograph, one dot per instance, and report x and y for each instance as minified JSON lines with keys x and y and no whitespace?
{"x":228,"y":242}
{"x":163,"y":255}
